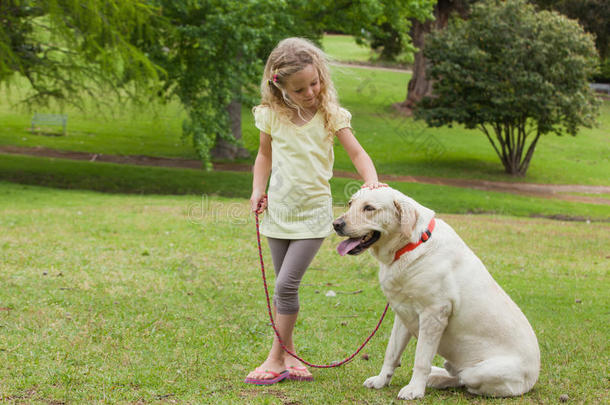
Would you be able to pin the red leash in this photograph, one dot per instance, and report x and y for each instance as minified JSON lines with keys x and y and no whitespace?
{"x":334,"y":364}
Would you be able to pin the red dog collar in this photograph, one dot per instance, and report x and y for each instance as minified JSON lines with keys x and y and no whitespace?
{"x":424,"y":238}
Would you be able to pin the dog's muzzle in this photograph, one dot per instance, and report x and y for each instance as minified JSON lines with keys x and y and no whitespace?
{"x":339,"y":225}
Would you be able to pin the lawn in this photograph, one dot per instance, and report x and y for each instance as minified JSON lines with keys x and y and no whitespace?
{"x":343,"y":48}
{"x":113,"y":128}
{"x":145,"y":299}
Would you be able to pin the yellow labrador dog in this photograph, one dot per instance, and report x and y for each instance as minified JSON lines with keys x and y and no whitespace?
{"x":443,"y":296}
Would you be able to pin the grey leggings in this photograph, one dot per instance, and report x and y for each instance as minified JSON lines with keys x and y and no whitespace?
{"x":290,"y":260}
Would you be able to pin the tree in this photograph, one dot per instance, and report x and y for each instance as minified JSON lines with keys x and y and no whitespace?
{"x":515,"y":74}
{"x":215,"y":52}
{"x":594,"y":15}
{"x":69,"y":48}
{"x":420,"y":85}
{"x":387,"y":29}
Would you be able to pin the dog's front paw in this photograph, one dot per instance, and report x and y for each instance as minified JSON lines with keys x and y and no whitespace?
{"x":411,"y":392}
{"x":377,"y":382}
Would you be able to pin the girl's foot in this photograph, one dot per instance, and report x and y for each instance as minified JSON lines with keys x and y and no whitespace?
{"x":267,"y":371}
{"x":297,"y":370}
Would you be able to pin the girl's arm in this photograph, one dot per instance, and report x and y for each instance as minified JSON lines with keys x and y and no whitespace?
{"x":361,"y":160}
{"x":262,"y":169}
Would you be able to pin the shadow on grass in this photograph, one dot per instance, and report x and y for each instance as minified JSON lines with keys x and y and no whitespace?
{"x":114,"y":178}
{"x":128,"y":179}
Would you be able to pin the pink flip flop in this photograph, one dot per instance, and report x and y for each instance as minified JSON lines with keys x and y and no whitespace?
{"x":299,"y":377}
{"x":277,"y":377}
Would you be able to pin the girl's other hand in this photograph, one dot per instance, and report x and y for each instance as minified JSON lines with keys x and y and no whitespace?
{"x":258,"y":202}
{"x":374,"y":185}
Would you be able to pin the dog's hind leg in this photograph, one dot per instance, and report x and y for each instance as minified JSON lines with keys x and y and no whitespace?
{"x":440,"y":378}
{"x":450,"y":368}
{"x":498,"y":377}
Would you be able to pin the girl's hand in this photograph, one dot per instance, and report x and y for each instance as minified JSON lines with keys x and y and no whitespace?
{"x":258,"y":202}
{"x":374,"y":185}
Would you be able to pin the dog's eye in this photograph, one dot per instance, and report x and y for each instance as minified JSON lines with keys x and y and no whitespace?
{"x":349,"y":204}
{"x":368,"y":208}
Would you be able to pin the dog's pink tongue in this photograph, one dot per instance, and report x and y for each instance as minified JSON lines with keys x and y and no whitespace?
{"x":347,"y":245}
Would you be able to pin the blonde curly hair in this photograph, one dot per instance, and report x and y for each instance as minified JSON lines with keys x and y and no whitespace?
{"x":292,"y":55}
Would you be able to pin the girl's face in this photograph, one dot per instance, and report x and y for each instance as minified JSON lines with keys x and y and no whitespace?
{"x":303,"y":87}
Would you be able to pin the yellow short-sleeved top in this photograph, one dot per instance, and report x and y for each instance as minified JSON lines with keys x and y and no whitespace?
{"x":299,"y":198}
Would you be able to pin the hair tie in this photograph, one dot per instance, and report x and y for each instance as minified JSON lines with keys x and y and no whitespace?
{"x":275,"y":75}
{"x":274,"y":78}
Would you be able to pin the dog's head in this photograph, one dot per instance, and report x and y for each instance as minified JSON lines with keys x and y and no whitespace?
{"x":377,"y":216}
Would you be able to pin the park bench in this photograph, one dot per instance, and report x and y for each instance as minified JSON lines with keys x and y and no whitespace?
{"x":50,"y":119}
{"x":600,"y":87}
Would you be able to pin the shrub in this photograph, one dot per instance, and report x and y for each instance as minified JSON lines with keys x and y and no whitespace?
{"x":513,"y":73}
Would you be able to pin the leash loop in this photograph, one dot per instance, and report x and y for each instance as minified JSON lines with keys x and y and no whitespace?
{"x":277,"y":333}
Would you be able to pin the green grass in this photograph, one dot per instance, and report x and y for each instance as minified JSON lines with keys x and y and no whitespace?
{"x":128,"y":299}
{"x":118,"y":128}
{"x":343,"y":48}
{"x":114,"y":178}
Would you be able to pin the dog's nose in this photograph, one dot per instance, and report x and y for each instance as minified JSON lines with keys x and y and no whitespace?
{"x":339,"y":224}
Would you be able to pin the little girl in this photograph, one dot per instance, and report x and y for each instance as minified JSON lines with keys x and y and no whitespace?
{"x":298,"y":118}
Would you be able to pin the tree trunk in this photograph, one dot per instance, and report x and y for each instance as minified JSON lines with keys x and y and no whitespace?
{"x":224,"y":149}
{"x":420,"y":86}
{"x":513,"y":169}
{"x":513,"y":148}
{"x":230,"y":150}
{"x":525,"y":164}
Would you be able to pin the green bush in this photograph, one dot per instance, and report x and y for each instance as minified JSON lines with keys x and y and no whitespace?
{"x":513,"y":73}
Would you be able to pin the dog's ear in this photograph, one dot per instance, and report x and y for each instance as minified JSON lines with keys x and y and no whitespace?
{"x":407,"y":218}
